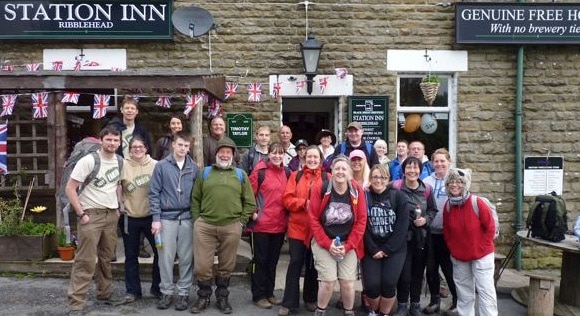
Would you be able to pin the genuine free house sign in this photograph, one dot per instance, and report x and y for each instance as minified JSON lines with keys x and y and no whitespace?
{"x":132,"y":19}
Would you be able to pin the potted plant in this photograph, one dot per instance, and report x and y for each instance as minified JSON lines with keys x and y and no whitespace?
{"x":21,"y":238}
{"x":429,"y":86}
{"x":66,"y":251}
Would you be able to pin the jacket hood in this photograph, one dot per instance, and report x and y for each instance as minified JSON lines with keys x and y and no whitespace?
{"x":146,"y":160}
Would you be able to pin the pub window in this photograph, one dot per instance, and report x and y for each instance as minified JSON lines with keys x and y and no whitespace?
{"x":417,"y":120}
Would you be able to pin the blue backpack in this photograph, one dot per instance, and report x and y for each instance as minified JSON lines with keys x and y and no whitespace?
{"x":239,"y":173}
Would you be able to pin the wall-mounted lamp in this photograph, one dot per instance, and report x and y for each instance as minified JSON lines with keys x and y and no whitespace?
{"x":310,"y":50}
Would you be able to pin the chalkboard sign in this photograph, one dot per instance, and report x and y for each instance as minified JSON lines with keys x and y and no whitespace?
{"x":373,"y":114}
{"x":240,"y":128}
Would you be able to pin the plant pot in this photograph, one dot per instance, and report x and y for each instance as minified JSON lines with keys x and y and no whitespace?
{"x":429,"y":90}
{"x":66,"y":253}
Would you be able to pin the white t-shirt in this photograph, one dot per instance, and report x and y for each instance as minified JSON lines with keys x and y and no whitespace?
{"x":126,"y":137}
{"x":101,"y":192}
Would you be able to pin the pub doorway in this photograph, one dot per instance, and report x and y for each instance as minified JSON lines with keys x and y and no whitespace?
{"x":307,"y":116}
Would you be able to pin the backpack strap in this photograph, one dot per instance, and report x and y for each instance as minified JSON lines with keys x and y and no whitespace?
{"x":299,"y":175}
{"x":206,"y":172}
{"x":261,"y":176}
{"x":369,"y":148}
{"x":474,"y":205}
{"x":343,"y":147}
{"x":239,"y":173}
{"x":398,"y":184}
{"x":288,"y":172}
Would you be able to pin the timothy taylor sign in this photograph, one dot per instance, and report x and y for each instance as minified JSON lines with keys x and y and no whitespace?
{"x":131,"y":19}
{"x":517,"y":23}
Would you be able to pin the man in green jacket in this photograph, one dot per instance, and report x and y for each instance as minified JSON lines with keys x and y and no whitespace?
{"x":222,"y":202}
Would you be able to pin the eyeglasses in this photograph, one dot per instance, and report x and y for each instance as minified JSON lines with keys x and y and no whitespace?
{"x":379,"y":178}
{"x":455,"y":182}
{"x":137,"y":147}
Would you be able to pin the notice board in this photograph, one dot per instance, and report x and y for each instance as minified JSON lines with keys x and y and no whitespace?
{"x":543,"y":175}
{"x":240,"y":128}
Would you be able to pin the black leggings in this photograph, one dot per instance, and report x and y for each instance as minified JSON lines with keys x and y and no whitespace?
{"x":411,"y":278}
{"x":439,"y":257}
{"x":380,"y":276}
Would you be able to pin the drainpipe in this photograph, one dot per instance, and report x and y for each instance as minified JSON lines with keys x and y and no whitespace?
{"x":519,"y":155}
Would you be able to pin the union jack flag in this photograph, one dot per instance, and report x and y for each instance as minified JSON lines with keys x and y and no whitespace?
{"x":189,"y":104}
{"x":323,"y":82}
{"x":7,"y":67}
{"x":77,"y":66}
{"x":100,"y":106}
{"x":231,"y":88}
{"x":8,"y":101}
{"x":254,"y":92}
{"x":70,"y":97}
{"x":32,"y":67}
{"x":164,"y":102}
{"x":3,"y":159}
{"x":57,"y":65}
{"x":215,"y":109}
{"x":341,"y":72}
{"x":200,"y":98}
{"x":300,"y":84}
{"x":276,"y":90}
{"x":40,"y":105}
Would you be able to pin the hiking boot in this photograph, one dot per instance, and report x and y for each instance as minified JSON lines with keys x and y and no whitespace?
{"x":434,"y":306}
{"x":223,"y":305}
{"x":274,"y":301}
{"x":164,"y":301}
{"x":373,"y":313}
{"x":264,"y":303}
{"x":319,"y":312}
{"x":199,"y":305}
{"x":415,"y":310}
{"x":451,"y":312}
{"x":144,"y":254}
{"x":283,"y":311}
{"x":402,"y":309}
{"x":181,"y":303}
{"x":310,"y":306}
{"x":348,"y":312}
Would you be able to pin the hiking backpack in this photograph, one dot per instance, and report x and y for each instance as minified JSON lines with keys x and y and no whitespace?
{"x":475,"y":207}
{"x":328,"y":161}
{"x":548,"y":218}
{"x":239,"y":173}
{"x":87,"y":146}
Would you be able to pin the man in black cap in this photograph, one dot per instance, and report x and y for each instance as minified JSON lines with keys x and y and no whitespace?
{"x":354,"y":140}
{"x":297,"y":161}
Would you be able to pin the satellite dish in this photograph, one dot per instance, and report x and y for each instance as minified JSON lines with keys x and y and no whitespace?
{"x":192,"y":21}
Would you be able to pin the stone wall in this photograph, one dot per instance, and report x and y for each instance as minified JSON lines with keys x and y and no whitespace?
{"x":256,"y":39}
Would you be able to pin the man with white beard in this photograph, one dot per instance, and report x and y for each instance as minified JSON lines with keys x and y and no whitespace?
{"x":222,"y":203}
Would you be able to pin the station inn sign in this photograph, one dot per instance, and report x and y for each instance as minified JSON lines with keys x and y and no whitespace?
{"x":113,"y":19}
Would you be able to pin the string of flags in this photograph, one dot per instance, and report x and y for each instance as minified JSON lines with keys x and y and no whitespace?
{"x":56,"y":65}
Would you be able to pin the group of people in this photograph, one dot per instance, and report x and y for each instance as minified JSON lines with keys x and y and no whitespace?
{"x":334,"y":204}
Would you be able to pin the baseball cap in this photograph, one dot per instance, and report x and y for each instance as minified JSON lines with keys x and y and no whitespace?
{"x":356,"y":125}
{"x":357,"y":153}
{"x":301,"y":142}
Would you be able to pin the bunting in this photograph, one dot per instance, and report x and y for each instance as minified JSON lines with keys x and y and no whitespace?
{"x":7,"y":67}
{"x":33,"y":67}
{"x":77,"y":66}
{"x":341,"y":72}
{"x":215,"y":109}
{"x":164,"y":102}
{"x":57,"y":65}
{"x":100,"y":106}
{"x":3,"y":159}
{"x":231,"y":88}
{"x":189,"y":104}
{"x":254,"y":92}
{"x":8,"y":101}
{"x":276,"y":90}
{"x":40,"y":105}
{"x":70,"y":97}
{"x":300,"y":84}
{"x":323,"y":82}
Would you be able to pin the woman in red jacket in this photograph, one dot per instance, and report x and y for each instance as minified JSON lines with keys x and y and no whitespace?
{"x":338,"y":218}
{"x":301,"y":186}
{"x":469,"y":237}
{"x":268,"y":225}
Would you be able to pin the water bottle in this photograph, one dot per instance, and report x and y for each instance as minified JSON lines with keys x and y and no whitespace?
{"x":158,"y":241}
{"x":337,"y":243}
{"x":417,"y":212}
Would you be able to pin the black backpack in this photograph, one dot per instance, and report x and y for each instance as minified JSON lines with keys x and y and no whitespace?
{"x":548,"y":218}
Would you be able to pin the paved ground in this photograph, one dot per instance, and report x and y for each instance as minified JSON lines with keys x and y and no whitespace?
{"x":31,"y":295}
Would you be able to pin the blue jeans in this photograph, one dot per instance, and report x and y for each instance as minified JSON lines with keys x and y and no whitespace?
{"x":136,"y":226}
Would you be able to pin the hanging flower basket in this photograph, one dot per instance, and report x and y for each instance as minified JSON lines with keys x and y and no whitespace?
{"x":429,"y":86}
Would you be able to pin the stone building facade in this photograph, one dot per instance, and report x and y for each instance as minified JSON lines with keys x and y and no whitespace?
{"x":257,"y":39}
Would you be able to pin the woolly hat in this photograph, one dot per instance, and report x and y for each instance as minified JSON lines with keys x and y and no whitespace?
{"x":463,"y":175}
{"x":226,"y":142}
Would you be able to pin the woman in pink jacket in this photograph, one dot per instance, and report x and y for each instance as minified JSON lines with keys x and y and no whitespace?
{"x":338,"y":211}
{"x":469,"y":237}
{"x":268,"y":225}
